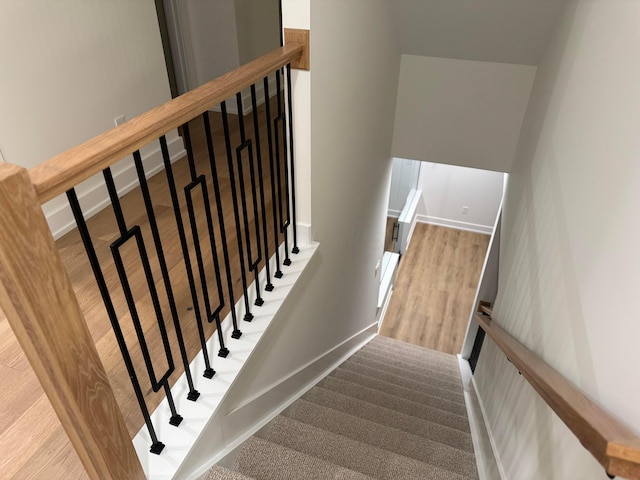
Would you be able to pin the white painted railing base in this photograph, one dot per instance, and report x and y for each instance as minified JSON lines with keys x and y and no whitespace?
{"x":199,"y":422}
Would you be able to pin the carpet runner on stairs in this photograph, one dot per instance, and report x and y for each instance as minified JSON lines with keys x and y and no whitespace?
{"x":391,"y":411}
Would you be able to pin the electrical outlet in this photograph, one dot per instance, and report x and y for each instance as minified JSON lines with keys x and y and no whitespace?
{"x":119,"y":120}
{"x":465,"y":210}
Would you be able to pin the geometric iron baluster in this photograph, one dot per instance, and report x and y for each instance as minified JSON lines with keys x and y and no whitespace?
{"x":209,"y":372}
{"x":144,"y":188}
{"x":156,"y":445}
{"x":256,"y":128}
{"x":292,"y":185}
{"x":223,"y":236}
{"x":200,"y":182}
{"x":127,"y":234}
{"x":272,"y":176}
{"x":281,"y":163}
{"x":234,"y":195}
{"x":247,"y":144}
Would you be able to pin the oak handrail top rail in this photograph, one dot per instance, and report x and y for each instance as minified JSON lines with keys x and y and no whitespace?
{"x":64,"y":171}
{"x":611,"y":443}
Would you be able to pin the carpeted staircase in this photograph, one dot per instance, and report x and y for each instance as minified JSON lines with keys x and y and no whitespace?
{"x":391,"y":411}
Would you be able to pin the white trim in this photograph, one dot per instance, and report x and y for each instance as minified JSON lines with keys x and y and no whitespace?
{"x":471,"y":395}
{"x":92,"y":194}
{"x":305,"y":236}
{"x":393,"y":213}
{"x":411,"y":230}
{"x":200,"y":421}
{"x":385,"y":307}
{"x":390,"y":262}
{"x":408,"y":219}
{"x":445,"y":222}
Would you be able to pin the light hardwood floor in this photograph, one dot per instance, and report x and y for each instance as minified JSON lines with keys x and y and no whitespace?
{"x":33,"y":444}
{"x":435,"y":288}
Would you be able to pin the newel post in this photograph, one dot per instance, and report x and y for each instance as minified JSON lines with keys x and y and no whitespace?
{"x":42,"y":309}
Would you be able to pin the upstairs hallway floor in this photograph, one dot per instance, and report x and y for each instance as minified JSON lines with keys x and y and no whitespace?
{"x":435,"y":288}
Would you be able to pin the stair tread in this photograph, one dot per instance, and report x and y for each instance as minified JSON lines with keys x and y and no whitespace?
{"x":445,"y":382}
{"x":457,"y":397}
{"x":427,"y":368}
{"x":406,"y":346}
{"x":384,"y":437}
{"x":416,"y":426}
{"x":351,"y":454}
{"x":412,"y":352}
{"x":220,"y":473}
{"x":392,"y":402}
{"x":399,"y":391}
{"x":265,"y":460}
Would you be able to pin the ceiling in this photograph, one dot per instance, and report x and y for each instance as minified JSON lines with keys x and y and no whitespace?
{"x":505,"y":31}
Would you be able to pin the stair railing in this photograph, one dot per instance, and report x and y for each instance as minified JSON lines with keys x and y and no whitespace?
{"x":36,"y":292}
{"x":612,"y":444}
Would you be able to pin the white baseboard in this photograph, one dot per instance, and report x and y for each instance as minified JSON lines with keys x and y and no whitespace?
{"x":445,"y":222}
{"x":92,"y":193}
{"x":488,"y":461}
{"x":256,"y":412}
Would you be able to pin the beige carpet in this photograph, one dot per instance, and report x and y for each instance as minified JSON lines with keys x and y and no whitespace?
{"x":392,"y":411}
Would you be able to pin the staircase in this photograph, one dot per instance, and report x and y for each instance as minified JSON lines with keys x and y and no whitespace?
{"x":391,"y":411}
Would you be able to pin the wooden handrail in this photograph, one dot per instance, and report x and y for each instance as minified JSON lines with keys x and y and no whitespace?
{"x":611,"y":443}
{"x":66,"y":170}
{"x":485,"y":308}
{"x":38,"y":299}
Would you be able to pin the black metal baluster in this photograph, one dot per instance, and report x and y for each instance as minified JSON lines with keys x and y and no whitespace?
{"x":245,"y":143}
{"x":295,"y":248}
{"x":274,"y":203}
{"x":144,"y":187}
{"x":227,"y":139}
{"x":256,"y":127}
{"x":200,"y":181}
{"x":280,"y":120}
{"x":156,"y":445}
{"x":208,"y":372}
{"x":127,"y":234}
{"x":223,"y":235}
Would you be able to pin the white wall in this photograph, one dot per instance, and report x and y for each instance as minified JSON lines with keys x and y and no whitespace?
{"x":349,"y":187}
{"x":68,"y":70}
{"x":210,"y":39}
{"x":448,"y":188}
{"x":460,"y":112}
{"x":258,"y":27}
{"x":569,"y":263}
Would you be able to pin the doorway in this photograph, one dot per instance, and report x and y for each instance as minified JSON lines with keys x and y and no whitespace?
{"x":203,"y":40}
{"x":438,"y":274}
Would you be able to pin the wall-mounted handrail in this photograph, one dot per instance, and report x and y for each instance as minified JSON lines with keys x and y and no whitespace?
{"x":611,"y":443}
{"x":69,"y":168}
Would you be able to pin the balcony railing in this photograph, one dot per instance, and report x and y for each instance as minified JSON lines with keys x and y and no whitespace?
{"x":175,"y":262}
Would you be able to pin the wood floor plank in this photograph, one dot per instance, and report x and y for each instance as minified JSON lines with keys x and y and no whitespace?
{"x":435,"y":288}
